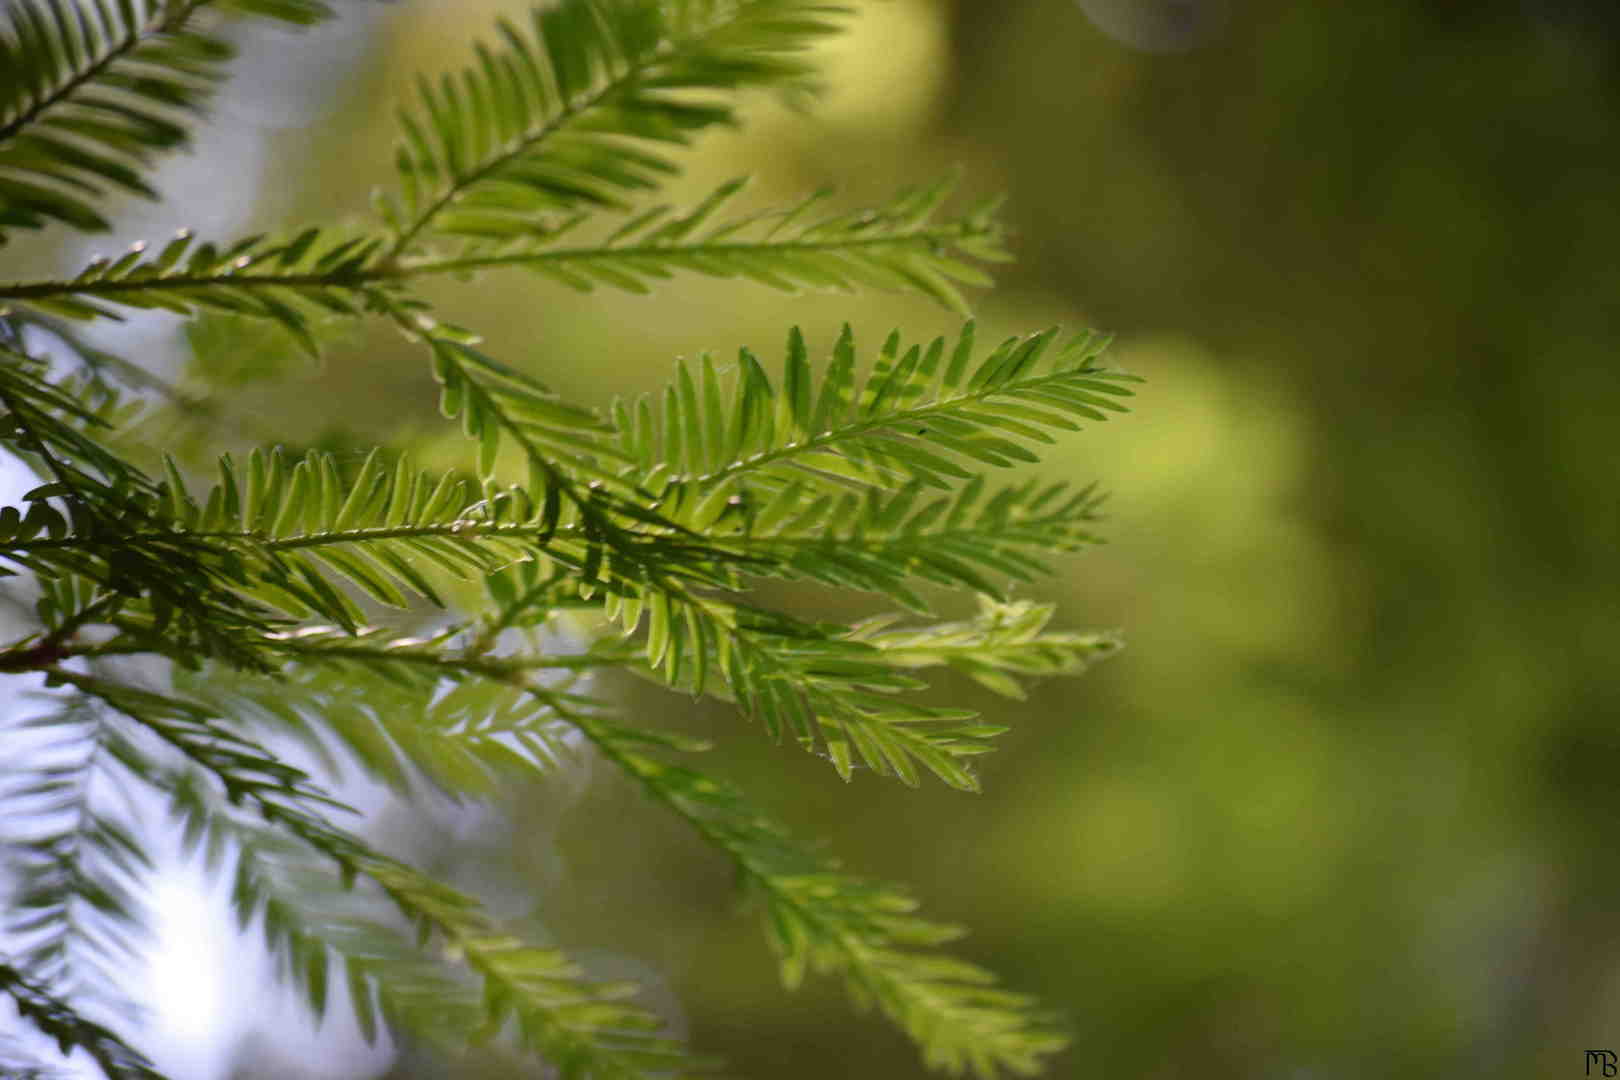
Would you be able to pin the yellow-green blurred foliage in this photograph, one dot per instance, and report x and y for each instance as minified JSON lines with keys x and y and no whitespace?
{"x":1345,"y":807}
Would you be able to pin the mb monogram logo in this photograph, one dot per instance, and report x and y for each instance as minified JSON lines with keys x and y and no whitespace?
{"x":1606,"y":1062}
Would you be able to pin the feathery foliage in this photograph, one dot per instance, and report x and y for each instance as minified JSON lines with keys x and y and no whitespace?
{"x":190,"y":629}
{"x":580,"y":110}
{"x":895,"y":246}
{"x":72,"y":906}
{"x":91,"y":90}
{"x":822,"y":919}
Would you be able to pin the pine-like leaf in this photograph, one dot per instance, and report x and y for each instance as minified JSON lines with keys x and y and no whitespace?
{"x":400,"y":714}
{"x":656,"y":518}
{"x":578,"y":111}
{"x":837,"y":696}
{"x":879,"y":541}
{"x":286,"y":536}
{"x":757,"y":453}
{"x":244,"y":770}
{"x":1002,"y":642}
{"x":584,"y":1028}
{"x":820,"y":918}
{"x":328,"y":940}
{"x":64,"y":418}
{"x":76,"y":522}
{"x":58,"y":1019}
{"x":297,"y":529}
{"x":897,"y":246}
{"x":602,"y":524}
{"x":91,"y":89}
{"x":73,"y":914}
{"x":296,"y":281}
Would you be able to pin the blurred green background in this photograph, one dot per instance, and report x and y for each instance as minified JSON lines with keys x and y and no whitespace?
{"x":1346,"y":805}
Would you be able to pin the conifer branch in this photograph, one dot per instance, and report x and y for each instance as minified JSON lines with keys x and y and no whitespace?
{"x":606,"y":68}
{"x":308,"y":921}
{"x":59,"y":1020}
{"x":820,"y":918}
{"x":25,"y":32}
{"x":656,"y":518}
{"x":577,"y":1024}
{"x":89,"y":89}
{"x":409,"y":709}
{"x":73,"y":868}
{"x":837,"y":922}
{"x":896,"y":246}
{"x":881,"y":542}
